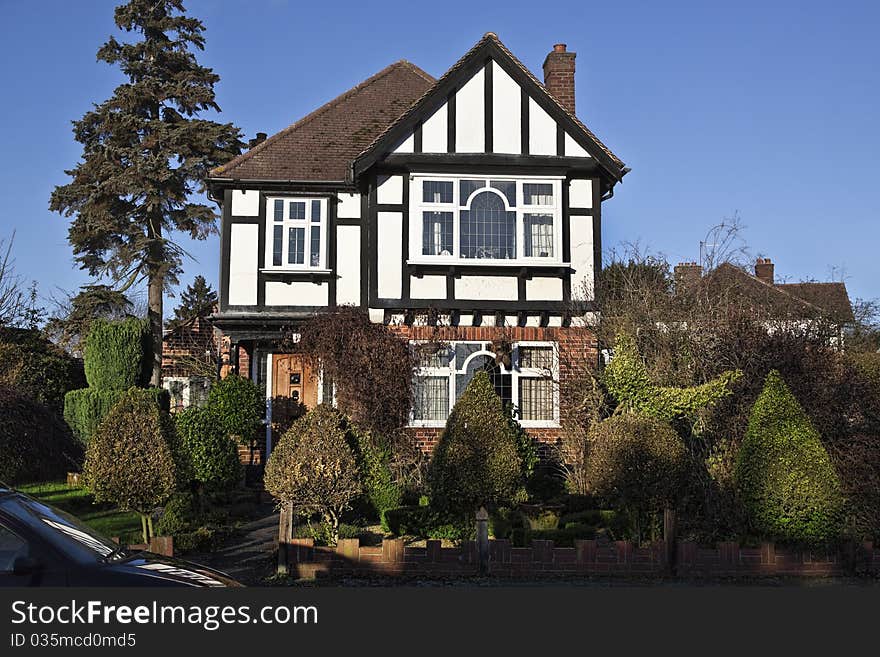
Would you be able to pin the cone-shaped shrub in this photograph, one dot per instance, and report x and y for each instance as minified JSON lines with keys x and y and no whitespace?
{"x":210,"y":451}
{"x":476,"y":461}
{"x":133,"y":460}
{"x":313,"y":469}
{"x":787,"y":482}
{"x":115,"y":352}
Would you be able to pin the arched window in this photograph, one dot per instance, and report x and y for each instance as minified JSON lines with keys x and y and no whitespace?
{"x":501,"y":378}
{"x":488,"y":229}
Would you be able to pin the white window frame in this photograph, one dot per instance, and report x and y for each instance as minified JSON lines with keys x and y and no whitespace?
{"x":418,"y":206}
{"x":286,"y":224}
{"x":515,"y":374}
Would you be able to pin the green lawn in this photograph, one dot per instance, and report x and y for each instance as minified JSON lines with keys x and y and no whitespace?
{"x":105,"y":518}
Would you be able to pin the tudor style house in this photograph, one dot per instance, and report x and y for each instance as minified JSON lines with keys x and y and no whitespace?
{"x":476,"y":197}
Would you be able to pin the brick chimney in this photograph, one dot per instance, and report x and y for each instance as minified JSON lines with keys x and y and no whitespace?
{"x":559,"y":75}
{"x":686,"y":274}
{"x":764,"y":270}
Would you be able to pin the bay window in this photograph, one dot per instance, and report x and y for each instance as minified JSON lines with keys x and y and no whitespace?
{"x":529,"y":384}
{"x":296,"y":233}
{"x":486,"y":219}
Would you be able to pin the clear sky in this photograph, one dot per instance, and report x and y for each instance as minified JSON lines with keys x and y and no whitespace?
{"x":766,"y":109}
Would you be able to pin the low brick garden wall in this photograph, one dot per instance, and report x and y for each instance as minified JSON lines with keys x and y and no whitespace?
{"x":587,"y":558}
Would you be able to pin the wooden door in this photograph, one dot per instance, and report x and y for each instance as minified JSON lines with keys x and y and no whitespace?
{"x":294,"y":388}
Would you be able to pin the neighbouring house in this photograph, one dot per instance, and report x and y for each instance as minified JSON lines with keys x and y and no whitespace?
{"x":476,"y":197}
{"x":807,"y":301}
{"x":191,"y":360}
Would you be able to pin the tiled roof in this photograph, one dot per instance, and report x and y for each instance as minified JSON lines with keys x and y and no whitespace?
{"x":802,"y":300}
{"x":322,"y":145}
{"x":831,"y":297}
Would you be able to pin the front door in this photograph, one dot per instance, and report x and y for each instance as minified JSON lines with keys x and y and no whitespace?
{"x":294,"y":388}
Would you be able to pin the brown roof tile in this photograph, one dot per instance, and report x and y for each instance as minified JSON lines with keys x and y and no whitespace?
{"x":831,"y":297}
{"x":321,"y":145}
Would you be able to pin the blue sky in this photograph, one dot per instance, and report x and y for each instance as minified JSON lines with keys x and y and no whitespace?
{"x":765,"y":109}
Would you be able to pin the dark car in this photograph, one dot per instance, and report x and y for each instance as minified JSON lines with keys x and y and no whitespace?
{"x":43,"y":546}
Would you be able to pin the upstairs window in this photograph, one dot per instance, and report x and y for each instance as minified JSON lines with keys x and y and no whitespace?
{"x":491,"y":220}
{"x":296,"y":233}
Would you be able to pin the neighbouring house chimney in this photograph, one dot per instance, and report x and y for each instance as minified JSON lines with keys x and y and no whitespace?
{"x":764,"y":270}
{"x":260,"y":138}
{"x":559,"y":75}
{"x":686,"y":274}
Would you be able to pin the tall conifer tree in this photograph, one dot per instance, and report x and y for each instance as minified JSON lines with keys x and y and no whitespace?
{"x":145,"y":153}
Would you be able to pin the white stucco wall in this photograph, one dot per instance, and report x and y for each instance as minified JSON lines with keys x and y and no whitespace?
{"x":435,"y":131}
{"x":542,"y":131}
{"x":390,"y":250}
{"x":296,"y":293}
{"x":486,"y":287}
{"x":243,"y":264}
{"x":389,"y":189}
{"x":544,"y":289}
{"x":581,"y":234}
{"x":348,"y":265}
{"x":574,"y":149}
{"x":506,"y":112}
{"x":349,"y":206}
{"x":580,"y":194}
{"x":427,"y":287}
{"x":245,"y":203}
{"x":469,"y":112}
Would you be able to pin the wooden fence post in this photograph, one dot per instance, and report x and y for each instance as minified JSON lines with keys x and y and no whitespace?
{"x":285,"y":535}
{"x":483,"y":540}
{"x":669,"y":538}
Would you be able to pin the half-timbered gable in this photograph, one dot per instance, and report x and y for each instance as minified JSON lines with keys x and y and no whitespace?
{"x":475,"y":197}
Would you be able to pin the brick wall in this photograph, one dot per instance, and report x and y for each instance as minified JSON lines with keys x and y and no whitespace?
{"x":190,"y":350}
{"x":587,"y":558}
{"x":577,"y":349}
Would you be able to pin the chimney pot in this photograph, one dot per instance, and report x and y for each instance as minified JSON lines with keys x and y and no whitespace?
{"x":764,"y":270}
{"x":559,"y":75}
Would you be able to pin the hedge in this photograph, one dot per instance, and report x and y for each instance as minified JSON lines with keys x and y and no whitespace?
{"x":84,"y":409}
{"x":116,"y":354}
{"x":786,"y":480}
{"x":213,"y":454}
{"x":35,"y":445}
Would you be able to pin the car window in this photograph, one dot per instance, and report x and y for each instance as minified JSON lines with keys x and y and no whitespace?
{"x":12,"y":547}
{"x":58,"y":528}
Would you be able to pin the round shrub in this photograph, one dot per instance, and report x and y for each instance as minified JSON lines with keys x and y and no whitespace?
{"x":85,"y":408}
{"x":210,"y":451}
{"x":477,"y":459}
{"x":238,"y":405}
{"x":637,"y":463}
{"x":786,"y":480}
{"x":313,"y":469}
{"x":132,"y":460}
{"x":115,"y":354}
{"x":35,"y":445}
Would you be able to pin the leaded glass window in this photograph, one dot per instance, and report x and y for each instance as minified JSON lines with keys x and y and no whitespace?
{"x":488,"y":230}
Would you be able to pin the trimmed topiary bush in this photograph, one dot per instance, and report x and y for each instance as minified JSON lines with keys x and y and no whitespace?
{"x":239,"y":406}
{"x":637,"y":463}
{"x":212,"y":454}
{"x":313,"y":468}
{"x":373,"y":455}
{"x":85,"y":408}
{"x":115,"y":354}
{"x":133,"y":459}
{"x":477,"y":459}
{"x":35,"y":445}
{"x":786,"y":480}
